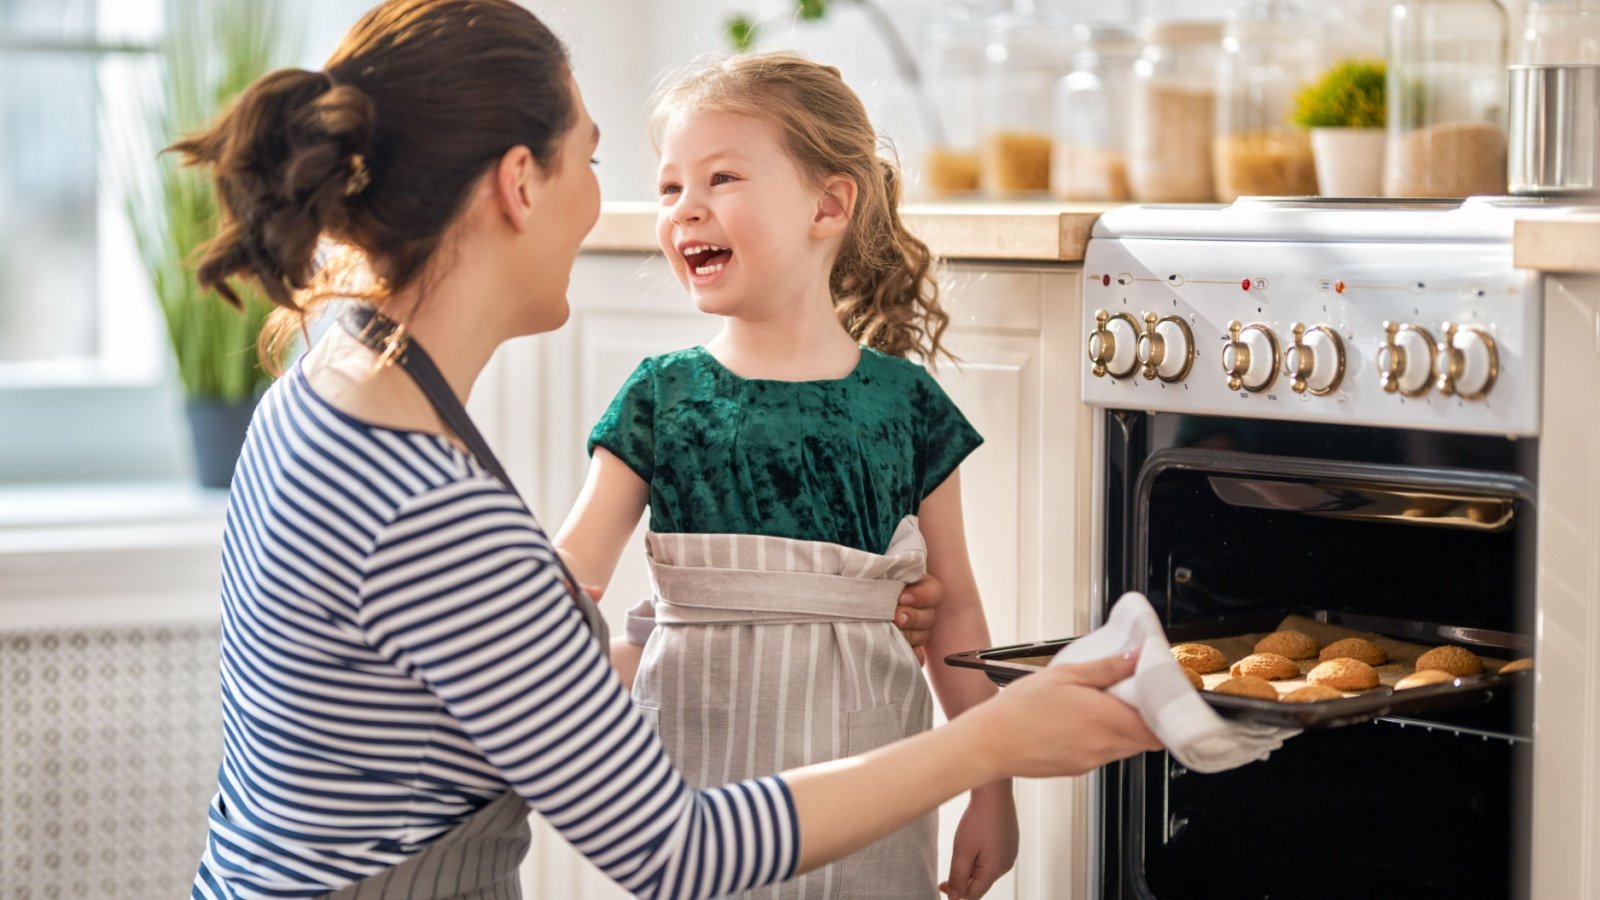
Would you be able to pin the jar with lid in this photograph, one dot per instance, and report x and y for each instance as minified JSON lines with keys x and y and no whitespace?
{"x":1174,"y":111}
{"x":1446,"y":97}
{"x":951,"y":59}
{"x":1560,"y":33}
{"x":1270,"y":50}
{"x":1029,"y":50}
{"x":1089,"y":154}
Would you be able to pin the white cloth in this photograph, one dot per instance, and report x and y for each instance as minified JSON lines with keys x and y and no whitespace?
{"x":1191,"y":730}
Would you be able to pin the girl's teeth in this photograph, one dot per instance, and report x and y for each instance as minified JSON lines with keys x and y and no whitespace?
{"x":707,"y":270}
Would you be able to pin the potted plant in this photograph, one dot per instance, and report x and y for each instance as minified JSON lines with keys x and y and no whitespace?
{"x":212,"y":51}
{"x":1345,"y":111}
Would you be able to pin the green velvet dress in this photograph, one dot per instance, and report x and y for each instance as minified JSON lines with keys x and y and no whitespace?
{"x":841,"y":460}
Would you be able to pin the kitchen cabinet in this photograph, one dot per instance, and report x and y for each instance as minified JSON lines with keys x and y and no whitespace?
{"x":1015,"y":327}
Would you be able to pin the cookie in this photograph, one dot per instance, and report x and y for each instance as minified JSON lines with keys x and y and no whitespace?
{"x":1423,"y":677}
{"x":1344,"y":674}
{"x":1355,"y":648}
{"x":1293,"y":644}
{"x":1524,"y":664}
{"x":1248,"y":686}
{"x":1312,"y":693}
{"x":1194,"y":678}
{"x":1202,"y":658}
{"x":1271,"y":666}
{"x":1455,"y":660}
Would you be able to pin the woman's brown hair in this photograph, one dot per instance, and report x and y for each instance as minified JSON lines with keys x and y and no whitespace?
{"x":882,"y":281}
{"x":379,"y":149}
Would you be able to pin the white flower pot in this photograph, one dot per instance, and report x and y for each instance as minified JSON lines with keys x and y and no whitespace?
{"x":1349,"y":161}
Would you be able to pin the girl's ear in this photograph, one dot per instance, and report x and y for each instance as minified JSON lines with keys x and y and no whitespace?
{"x":517,"y":178}
{"x":835,"y":204}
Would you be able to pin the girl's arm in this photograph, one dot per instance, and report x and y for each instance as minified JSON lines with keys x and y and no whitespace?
{"x":986,"y":839}
{"x":595,"y":533}
{"x":961,"y":624}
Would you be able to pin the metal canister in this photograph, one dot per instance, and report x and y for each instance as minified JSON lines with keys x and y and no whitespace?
{"x":1555,"y":130}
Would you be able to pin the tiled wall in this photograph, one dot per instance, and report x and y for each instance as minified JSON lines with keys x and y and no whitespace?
{"x":109,"y":744}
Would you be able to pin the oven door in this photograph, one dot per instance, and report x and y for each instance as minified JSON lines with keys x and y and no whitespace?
{"x":1217,"y":517}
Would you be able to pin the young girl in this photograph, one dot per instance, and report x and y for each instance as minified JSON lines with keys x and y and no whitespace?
{"x":798,"y":469}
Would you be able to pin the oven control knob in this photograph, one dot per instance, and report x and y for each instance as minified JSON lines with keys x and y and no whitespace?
{"x":1405,"y":360}
{"x":1250,"y":358}
{"x":1315,"y":361}
{"x":1466,"y":363}
{"x":1113,"y":344}
{"x":1166,"y":349}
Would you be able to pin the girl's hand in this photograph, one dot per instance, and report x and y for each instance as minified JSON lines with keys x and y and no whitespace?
{"x":985,"y":843}
{"x":916,"y":613}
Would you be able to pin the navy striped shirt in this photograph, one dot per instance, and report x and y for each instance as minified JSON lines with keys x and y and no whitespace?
{"x":397,"y":649}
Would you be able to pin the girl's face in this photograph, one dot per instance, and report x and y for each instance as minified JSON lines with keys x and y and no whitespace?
{"x":736,"y":215}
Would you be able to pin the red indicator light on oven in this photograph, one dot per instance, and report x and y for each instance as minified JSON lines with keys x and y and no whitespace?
{"x":1338,"y":287}
{"x":1245,"y":284}
{"x":1105,"y":280}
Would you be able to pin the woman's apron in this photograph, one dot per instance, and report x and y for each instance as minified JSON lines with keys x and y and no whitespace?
{"x":477,"y":860}
{"x":771,"y":653}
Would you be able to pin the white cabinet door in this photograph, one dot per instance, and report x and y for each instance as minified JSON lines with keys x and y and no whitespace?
{"x":1026,"y":500}
{"x":1014,"y":330}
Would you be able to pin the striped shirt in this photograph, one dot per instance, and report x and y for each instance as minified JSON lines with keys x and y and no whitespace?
{"x":398,"y":649}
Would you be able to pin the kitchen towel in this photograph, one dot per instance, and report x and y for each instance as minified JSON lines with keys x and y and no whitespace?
{"x":1192,"y":731}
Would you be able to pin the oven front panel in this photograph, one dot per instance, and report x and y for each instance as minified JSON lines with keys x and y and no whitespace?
{"x":1189,"y":292}
{"x":1210,"y":516}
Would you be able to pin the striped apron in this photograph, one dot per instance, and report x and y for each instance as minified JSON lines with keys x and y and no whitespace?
{"x":476,"y":860}
{"x":771,"y":653}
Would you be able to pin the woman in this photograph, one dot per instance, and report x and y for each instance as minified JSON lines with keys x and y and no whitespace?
{"x":404,"y":672}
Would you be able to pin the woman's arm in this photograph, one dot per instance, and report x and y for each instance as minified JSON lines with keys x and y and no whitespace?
{"x":1056,"y":722}
{"x":536,"y":699}
{"x":595,"y":533}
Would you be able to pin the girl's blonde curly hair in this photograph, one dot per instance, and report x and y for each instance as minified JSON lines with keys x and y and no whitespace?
{"x":882,"y":282}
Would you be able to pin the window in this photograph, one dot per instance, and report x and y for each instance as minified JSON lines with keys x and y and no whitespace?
{"x":86,"y":390}
{"x":74,"y":306}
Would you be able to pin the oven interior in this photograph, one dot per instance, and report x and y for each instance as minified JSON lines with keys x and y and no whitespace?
{"x":1213,"y":517}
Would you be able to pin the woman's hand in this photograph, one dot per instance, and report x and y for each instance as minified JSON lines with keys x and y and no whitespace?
{"x":1060,"y":721}
{"x":916,"y":613}
{"x":985,"y":843}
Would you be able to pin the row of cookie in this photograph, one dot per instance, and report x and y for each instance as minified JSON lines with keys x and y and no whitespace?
{"x":1274,"y":655}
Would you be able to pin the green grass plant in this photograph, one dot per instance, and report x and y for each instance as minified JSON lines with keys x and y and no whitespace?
{"x":212,"y":51}
{"x":1349,"y":95}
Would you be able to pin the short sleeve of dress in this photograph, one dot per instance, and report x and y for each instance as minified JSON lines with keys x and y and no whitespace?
{"x":628,"y":427}
{"x":947,"y":437}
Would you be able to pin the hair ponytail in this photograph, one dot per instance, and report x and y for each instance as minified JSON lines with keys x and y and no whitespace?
{"x":283,"y":157}
{"x":883,"y":279}
{"x":378,"y":152}
{"x":883,"y":283}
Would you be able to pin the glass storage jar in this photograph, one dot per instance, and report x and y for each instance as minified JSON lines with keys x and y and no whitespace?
{"x":1560,"y":33}
{"x":952,"y":74}
{"x":1089,"y":155}
{"x":1446,"y":97}
{"x":1174,"y":111}
{"x":1029,"y":50}
{"x":1270,"y":50}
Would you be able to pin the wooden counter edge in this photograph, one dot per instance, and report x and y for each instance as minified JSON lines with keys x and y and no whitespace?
{"x":1570,"y":244}
{"x":1006,"y":232}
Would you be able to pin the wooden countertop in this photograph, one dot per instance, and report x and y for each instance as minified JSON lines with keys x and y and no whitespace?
{"x":1059,"y":232}
{"x":1012,"y":232}
{"x":1569,"y":244}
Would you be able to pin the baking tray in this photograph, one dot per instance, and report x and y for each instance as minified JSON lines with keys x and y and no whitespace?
{"x":1006,"y":664}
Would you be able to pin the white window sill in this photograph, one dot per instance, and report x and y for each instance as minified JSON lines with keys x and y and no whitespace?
{"x":93,"y":554}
